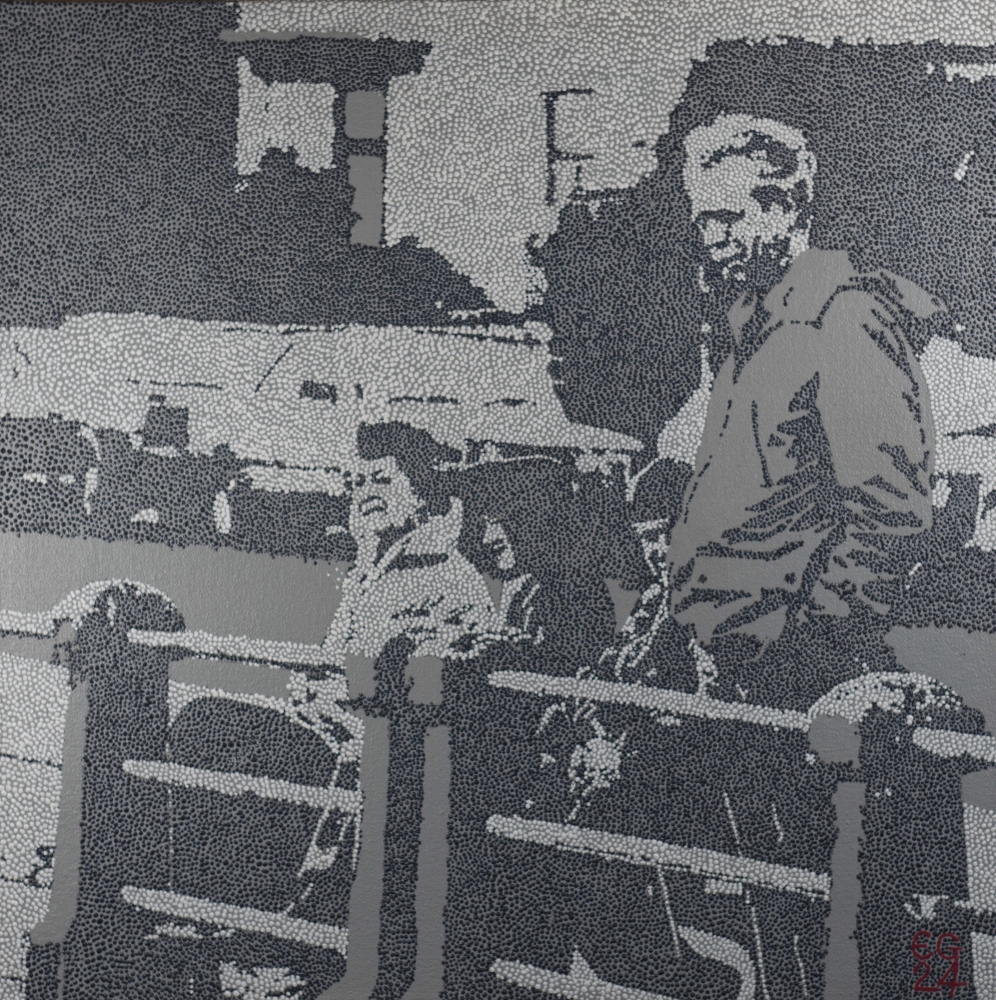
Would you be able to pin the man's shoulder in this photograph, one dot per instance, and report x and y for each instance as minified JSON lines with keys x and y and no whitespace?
{"x":816,"y":278}
{"x":911,"y":296}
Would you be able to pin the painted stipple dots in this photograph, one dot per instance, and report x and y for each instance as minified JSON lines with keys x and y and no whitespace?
{"x":497,"y":500}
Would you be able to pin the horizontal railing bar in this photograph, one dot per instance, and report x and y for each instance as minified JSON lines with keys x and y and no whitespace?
{"x":242,"y":918}
{"x":658,"y":854}
{"x":238,"y":647}
{"x":234,"y":783}
{"x":644,"y":696}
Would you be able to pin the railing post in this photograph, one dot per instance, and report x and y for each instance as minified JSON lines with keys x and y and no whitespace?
{"x":123,"y":822}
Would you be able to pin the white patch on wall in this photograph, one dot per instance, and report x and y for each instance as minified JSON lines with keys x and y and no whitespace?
{"x":973,"y":72}
{"x":940,"y":493}
{"x":984,"y":964}
{"x":222,"y":511}
{"x":23,"y":906}
{"x":283,"y":116}
{"x":260,"y":983}
{"x":466,"y":165}
{"x":30,"y":815}
{"x":30,"y":792}
{"x":963,"y":401}
{"x":682,"y":434}
{"x":583,"y":983}
{"x":276,"y":479}
{"x":36,"y":735}
{"x":980,"y":847}
{"x":962,"y":169}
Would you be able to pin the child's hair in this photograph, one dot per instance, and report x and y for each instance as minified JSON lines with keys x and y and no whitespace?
{"x":417,"y":454}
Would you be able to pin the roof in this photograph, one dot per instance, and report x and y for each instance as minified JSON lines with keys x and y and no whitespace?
{"x":295,"y":395}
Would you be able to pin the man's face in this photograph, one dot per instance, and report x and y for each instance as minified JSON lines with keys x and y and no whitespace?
{"x":746,"y":212}
{"x":382,"y":498}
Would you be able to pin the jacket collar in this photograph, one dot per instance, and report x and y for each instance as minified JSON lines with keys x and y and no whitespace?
{"x":810,"y":280}
{"x":813,"y":278}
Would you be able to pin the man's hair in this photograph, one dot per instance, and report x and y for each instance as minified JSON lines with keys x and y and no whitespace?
{"x":740,"y":135}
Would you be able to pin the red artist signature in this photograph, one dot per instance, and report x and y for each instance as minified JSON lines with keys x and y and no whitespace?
{"x":947,"y":947}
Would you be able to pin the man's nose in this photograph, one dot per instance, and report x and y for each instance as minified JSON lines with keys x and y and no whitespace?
{"x":715,"y":226}
{"x":767,"y":195}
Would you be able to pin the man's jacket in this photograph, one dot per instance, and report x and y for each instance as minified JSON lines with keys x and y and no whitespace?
{"x":818,"y":450}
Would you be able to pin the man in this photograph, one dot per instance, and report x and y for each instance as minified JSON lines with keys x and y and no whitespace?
{"x":814,"y":467}
{"x":819,"y":443}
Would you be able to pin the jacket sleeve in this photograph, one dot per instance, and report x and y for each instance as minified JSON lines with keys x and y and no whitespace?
{"x":875,"y":412}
